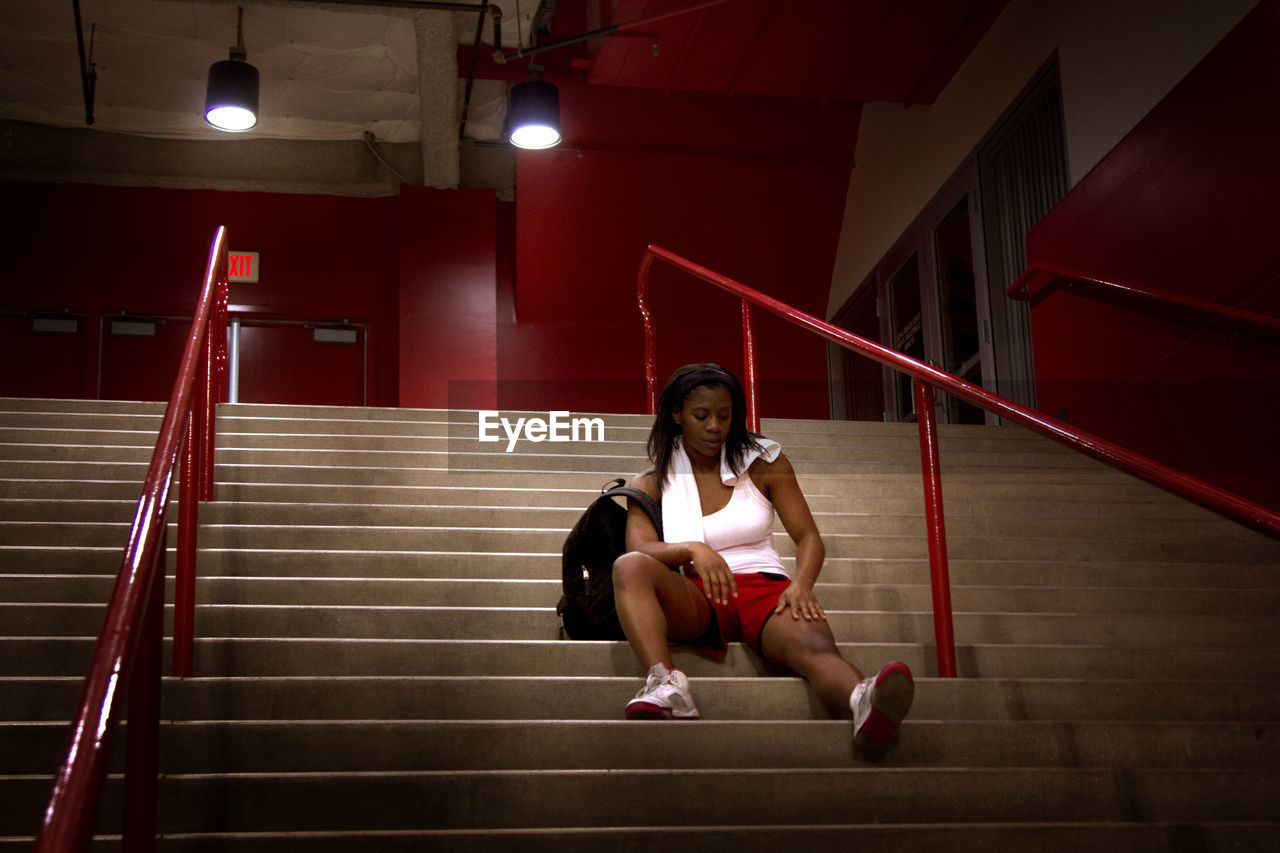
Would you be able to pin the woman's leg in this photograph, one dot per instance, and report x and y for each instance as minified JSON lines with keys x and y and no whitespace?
{"x":654,"y":604}
{"x":809,"y":650}
{"x":877,"y":704}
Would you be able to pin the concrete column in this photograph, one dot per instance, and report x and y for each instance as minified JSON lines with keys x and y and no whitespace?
{"x":438,"y":95}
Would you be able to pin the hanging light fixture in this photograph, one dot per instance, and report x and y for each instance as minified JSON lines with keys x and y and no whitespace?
{"x":231,"y":99}
{"x":533,"y":115}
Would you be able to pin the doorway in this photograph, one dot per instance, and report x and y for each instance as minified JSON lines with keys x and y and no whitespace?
{"x":906,"y":322}
{"x":943,"y":283}
{"x":937,"y":303}
{"x":299,"y":363}
{"x":860,"y":395}
{"x":956,"y":290}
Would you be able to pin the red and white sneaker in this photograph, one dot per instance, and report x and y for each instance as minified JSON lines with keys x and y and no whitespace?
{"x":879,"y":704}
{"x":665,"y":694}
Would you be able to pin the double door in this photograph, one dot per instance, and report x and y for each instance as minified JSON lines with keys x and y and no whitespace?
{"x":929,"y":299}
{"x":938,"y":295}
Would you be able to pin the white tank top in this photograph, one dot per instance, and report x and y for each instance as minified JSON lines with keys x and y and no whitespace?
{"x":742,"y":531}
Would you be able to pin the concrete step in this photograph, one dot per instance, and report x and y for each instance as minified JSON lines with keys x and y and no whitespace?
{"x":268,"y":418}
{"x":297,"y":419}
{"x":53,"y":431}
{"x":1119,"y":837}
{"x":985,"y":486}
{"x":606,"y":460}
{"x":545,"y":566}
{"x":241,"y":418}
{"x":1006,"y":494}
{"x":723,"y":696}
{"x":1015,"y":503}
{"x":904,"y":451}
{"x":450,"y":592}
{"x":563,"y":518}
{"x":1047,"y":523}
{"x":1073,"y":485}
{"x":52,"y":434}
{"x":114,"y":408}
{"x":749,"y":697}
{"x":292,"y":656}
{"x":308,"y":746}
{"x":1136,"y":630}
{"x":970,"y":499}
{"x":302,"y":418}
{"x":974,"y":493}
{"x":291,"y":427}
{"x":412,"y":539}
{"x":768,"y":425}
{"x":282,"y":802}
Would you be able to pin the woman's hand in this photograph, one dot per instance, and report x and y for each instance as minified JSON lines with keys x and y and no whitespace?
{"x":802,"y":602}
{"x":717,"y":580}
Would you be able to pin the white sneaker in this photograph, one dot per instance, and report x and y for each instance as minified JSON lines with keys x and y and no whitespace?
{"x":665,"y":693}
{"x":879,"y":704}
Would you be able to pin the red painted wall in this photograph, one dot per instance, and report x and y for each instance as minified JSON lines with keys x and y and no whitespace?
{"x":448,"y":298}
{"x":1185,"y":203}
{"x":584,"y":218}
{"x":99,"y":250}
{"x":470,"y":302}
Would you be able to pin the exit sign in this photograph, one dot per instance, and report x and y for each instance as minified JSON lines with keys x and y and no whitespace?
{"x":242,"y":267}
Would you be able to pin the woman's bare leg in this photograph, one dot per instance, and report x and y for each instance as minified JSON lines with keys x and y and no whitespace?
{"x":654,"y":604}
{"x":878,"y":706}
{"x":809,"y":650}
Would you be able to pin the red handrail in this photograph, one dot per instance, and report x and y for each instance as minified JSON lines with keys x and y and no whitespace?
{"x":128,"y":651}
{"x":926,"y":377}
{"x":1039,"y":277}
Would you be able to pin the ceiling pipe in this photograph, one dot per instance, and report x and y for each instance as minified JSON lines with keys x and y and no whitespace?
{"x":496,"y":13}
{"x":522,"y":52}
{"x":415,"y":5}
{"x":88,"y":68}
{"x":475,"y":55}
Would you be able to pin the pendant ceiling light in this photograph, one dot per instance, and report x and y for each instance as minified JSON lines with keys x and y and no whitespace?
{"x":533,"y":116}
{"x":231,"y":99}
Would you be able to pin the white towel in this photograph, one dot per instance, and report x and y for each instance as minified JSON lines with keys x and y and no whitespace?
{"x":681,"y":507}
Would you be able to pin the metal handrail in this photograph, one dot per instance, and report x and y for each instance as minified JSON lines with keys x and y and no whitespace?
{"x":126,"y":659}
{"x":926,"y":378}
{"x":1215,"y":314}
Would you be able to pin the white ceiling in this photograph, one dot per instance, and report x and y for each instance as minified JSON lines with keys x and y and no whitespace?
{"x":328,"y":73}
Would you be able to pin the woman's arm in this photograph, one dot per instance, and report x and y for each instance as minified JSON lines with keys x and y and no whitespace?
{"x":780,"y":486}
{"x":642,"y":536}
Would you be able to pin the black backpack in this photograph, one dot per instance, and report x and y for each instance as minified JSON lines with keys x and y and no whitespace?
{"x":586,"y":609}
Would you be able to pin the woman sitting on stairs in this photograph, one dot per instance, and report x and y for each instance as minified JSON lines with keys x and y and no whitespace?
{"x":719,"y":485}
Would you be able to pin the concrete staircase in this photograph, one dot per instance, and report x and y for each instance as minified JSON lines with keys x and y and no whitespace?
{"x":379,"y":667}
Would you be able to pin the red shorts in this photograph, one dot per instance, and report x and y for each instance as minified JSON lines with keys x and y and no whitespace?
{"x":743,"y":618}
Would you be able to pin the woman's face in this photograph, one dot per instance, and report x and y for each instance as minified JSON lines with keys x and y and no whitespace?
{"x":704,"y":418}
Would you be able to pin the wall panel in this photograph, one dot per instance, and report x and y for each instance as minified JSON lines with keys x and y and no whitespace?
{"x":1185,"y":203}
